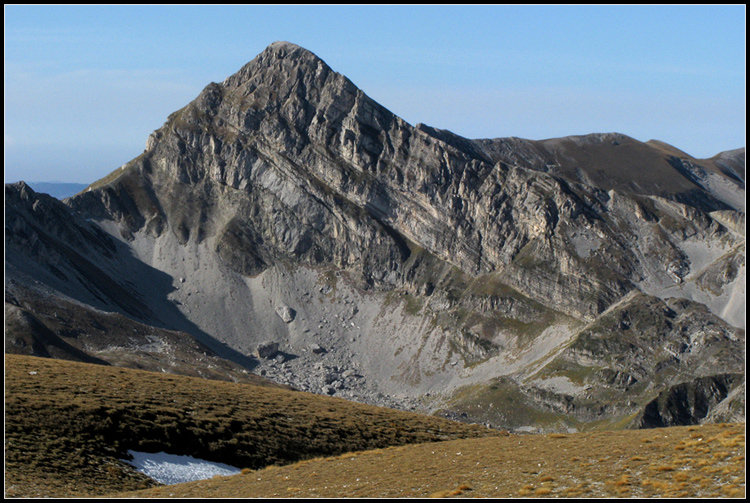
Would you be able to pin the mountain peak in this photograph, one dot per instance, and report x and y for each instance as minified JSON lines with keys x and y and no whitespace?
{"x":281,"y":50}
{"x":282,"y":56}
{"x":283,"y":45}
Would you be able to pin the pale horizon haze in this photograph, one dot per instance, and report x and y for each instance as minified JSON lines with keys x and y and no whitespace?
{"x":85,"y":85}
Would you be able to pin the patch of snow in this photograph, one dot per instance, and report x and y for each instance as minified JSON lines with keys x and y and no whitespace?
{"x":173,"y":469}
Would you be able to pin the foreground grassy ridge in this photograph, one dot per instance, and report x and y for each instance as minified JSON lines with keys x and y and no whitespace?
{"x":686,"y":461}
{"x":68,"y":423}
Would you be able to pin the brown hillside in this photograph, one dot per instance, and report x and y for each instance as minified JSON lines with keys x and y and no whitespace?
{"x":67,"y":425}
{"x":688,"y":461}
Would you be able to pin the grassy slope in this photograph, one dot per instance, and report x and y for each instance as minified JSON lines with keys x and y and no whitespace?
{"x":68,"y":423}
{"x":687,"y":461}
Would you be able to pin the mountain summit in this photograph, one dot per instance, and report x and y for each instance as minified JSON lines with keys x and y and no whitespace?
{"x":579,"y":279}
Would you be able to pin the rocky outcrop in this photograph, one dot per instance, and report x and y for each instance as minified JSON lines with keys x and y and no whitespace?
{"x":687,"y":403}
{"x":731,"y":409}
{"x":317,"y":349}
{"x":267,"y":349}
{"x":646,"y":336}
{"x":286,"y":313}
{"x":732,"y":220}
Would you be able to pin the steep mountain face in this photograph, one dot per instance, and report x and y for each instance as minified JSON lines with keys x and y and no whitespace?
{"x":68,"y":296}
{"x":416,"y":262}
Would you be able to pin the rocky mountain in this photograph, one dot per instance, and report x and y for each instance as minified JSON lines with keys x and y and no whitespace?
{"x":297,"y":228}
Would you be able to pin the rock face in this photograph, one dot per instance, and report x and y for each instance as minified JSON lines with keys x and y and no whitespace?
{"x":427,"y":260}
{"x":268,"y":349}
{"x":286,"y":313}
{"x":687,"y":403}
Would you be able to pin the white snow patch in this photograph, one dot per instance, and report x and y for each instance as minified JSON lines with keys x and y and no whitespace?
{"x":173,"y":469}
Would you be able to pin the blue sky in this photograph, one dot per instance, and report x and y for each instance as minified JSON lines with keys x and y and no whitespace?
{"x":86,"y":85}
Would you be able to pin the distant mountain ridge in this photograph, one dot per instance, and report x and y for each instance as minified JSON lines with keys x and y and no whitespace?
{"x":58,"y":190}
{"x":496,"y":280}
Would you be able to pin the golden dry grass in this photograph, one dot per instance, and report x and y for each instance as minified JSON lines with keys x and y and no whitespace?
{"x":67,"y":424}
{"x":57,"y":411}
{"x":617,"y":464}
